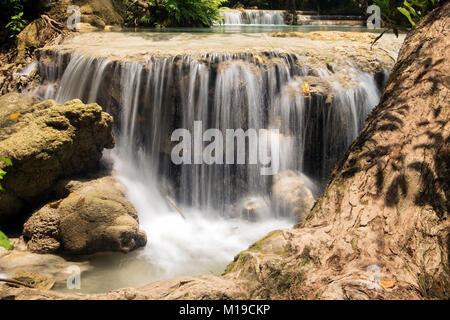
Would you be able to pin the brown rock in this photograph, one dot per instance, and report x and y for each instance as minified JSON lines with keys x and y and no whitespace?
{"x":94,"y":217}
{"x":47,"y":142}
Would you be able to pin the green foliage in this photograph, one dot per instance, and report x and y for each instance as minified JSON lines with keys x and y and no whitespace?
{"x":3,"y":172}
{"x":414,"y":10}
{"x":17,"y":24}
{"x":11,"y":16}
{"x":4,"y":242}
{"x":174,"y":13}
{"x":402,"y":18}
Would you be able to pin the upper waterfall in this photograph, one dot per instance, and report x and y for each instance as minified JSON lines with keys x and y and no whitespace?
{"x":252,"y":17}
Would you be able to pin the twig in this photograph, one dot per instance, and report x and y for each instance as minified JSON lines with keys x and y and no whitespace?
{"x":175,"y":206}
{"x":19,"y":283}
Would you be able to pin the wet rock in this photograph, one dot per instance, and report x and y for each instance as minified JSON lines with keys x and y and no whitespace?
{"x":48,"y":265}
{"x":252,"y":209}
{"x":94,"y":21}
{"x":47,"y":142}
{"x":94,"y":216}
{"x":290,"y":195}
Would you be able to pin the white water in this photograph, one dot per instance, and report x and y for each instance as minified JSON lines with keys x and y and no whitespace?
{"x":252,"y":17}
{"x":244,"y":93}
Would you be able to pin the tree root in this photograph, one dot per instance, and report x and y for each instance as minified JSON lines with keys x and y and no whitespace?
{"x":55,"y":25}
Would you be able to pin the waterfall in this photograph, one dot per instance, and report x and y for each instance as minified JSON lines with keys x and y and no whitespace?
{"x":253,"y":17}
{"x":227,"y":91}
{"x":152,"y":98}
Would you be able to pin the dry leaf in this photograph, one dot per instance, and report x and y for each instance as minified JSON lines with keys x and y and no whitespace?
{"x":73,"y":194}
{"x":55,"y":205}
{"x":386,"y":284}
{"x":259,"y":59}
{"x":306,"y":88}
{"x":14,"y":116}
{"x":81,"y":202}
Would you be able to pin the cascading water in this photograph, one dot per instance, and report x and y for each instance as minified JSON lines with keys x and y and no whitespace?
{"x":151,"y":99}
{"x":252,"y":17}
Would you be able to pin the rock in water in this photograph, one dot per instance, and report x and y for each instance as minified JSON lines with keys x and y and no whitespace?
{"x":94,"y":217}
{"x":47,"y":142}
{"x":291,"y":196}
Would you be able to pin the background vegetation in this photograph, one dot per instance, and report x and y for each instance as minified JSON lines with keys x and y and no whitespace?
{"x":173,"y":13}
{"x":397,"y":15}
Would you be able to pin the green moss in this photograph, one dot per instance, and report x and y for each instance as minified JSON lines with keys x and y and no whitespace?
{"x":287,"y":250}
{"x":317,"y":207}
{"x":284,"y":280}
{"x":305,"y":256}
{"x":432,"y":287}
{"x":354,"y":244}
{"x":239,"y":261}
{"x":355,"y":253}
{"x":318,"y":295}
{"x":258,"y":246}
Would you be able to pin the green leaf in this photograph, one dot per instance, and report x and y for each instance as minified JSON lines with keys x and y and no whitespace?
{"x":7,"y":161}
{"x":411,"y":10}
{"x":407,"y":15}
{"x":4,"y":242}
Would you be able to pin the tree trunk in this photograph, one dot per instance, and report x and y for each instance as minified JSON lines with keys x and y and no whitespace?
{"x":381,"y":228}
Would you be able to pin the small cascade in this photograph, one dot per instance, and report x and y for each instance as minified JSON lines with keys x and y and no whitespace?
{"x":252,"y":17}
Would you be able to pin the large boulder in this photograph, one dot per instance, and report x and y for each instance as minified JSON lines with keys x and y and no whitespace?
{"x":109,"y":11}
{"x":93,"y":216}
{"x":47,"y":142}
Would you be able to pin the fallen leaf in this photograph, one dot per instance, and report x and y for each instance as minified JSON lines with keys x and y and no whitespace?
{"x":259,"y":59}
{"x":55,"y":205}
{"x":81,"y":202}
{"x":306,"y":88}
{"x":14,"y":116}
{"x":386,"y":284}
{"x":73,"y":194}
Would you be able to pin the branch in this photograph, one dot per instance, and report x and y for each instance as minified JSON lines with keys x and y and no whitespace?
{"x":18,"y":283}
{"x":175,"y":206}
